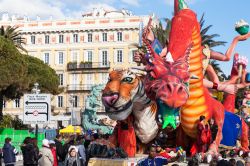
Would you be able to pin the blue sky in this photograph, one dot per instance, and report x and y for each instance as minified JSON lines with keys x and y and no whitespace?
{"x":221,"y":14}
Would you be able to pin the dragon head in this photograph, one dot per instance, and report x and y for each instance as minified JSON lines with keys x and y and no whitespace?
{"x":168,"y":81}
{"x":168,"y":78}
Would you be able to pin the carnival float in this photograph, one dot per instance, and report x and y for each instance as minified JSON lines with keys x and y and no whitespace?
{"x":172,"y":92}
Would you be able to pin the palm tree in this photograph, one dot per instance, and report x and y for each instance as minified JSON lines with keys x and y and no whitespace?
{"x":208,"y":39}
{"x":14,"y":35}
{"x":162,"y":34}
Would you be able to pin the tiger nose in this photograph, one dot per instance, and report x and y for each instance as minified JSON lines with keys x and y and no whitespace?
{"x":110,"y":99}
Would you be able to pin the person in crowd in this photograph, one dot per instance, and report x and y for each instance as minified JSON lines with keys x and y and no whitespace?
{"x":239,"y":163}
{"x":161,"y":152}
{"x":193,"y":162}
{"x":59,"y":150}
{"x":72,"y":158}
{"x":1,"y":156}
{"x":52,"y":146}
{"x":213,"y":163}
{"x":204,"y":135}
{"x":47,"y":158}
{"x":81,"y":150}
{"x":152,"y":159}
{"x":232,"y":162}
{"x":68,"y":142}
{"x":87,"y":139}
{"x":213,"y":128}
{"x":30,"y":152}
{"x":9,"y":153}
{"x":223,"y":163}
{"x":36,"y":149}
{"x":247,"y":161}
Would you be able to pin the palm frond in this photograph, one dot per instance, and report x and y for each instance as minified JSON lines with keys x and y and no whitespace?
{"x":14,"y":35}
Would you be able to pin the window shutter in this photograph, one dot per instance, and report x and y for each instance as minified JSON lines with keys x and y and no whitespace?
{"x":85,"y":56}
{"x":130,"y":58}
{"x":57,"y":58}
{"x":115,"y":56}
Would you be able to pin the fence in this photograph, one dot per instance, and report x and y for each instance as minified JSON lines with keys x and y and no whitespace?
{"x":17,"y":137}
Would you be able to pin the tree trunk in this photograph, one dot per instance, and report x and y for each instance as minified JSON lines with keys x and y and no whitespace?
{"x":1,"y":106}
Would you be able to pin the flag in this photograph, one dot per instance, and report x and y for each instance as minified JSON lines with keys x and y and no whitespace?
{"x":231,"y":130}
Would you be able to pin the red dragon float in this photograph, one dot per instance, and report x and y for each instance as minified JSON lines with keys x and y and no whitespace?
{"x":175,"y":84}
{"x":177,"y":80}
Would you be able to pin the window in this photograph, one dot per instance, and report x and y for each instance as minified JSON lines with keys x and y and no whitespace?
{"x":60,"y":79}
{"x":46,"y":39}
{"x":33,"y":39}
{"x":75,"y":101}
{"x":74,"y":56}
{"x":60,"y":58}
{"x":90,"y":37}
{"x":104,"y":37}
{"x":60,"y":101}
{"x":46,"y":58}
{"x":60,"y":38}
{"x":119,"y":36}
{"x":104,"y":58}
{"x":90,"y":54}
{"x":74,"y":80}
{"x":119,"y":56}
{"x":75,"y":38}
{"x":17,"y":103}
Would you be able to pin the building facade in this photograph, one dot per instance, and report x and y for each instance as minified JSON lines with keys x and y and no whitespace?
{"x":82,"y":52}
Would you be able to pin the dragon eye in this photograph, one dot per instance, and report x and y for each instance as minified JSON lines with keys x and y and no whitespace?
{"x":150,"y":77}
{"x":127,"y":79}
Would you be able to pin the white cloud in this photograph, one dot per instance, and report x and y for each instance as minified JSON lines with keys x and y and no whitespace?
{"x":131,"y":2}
{"x":31,"y":8}
{"x":59,"y":9}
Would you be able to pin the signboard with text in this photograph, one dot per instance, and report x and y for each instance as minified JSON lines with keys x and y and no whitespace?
{"x":37,"y":108}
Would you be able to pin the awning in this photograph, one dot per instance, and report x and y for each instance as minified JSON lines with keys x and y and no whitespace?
{"x":71,"y":129}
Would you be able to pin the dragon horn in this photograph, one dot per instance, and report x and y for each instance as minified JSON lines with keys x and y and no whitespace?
{"x":179,"y":5}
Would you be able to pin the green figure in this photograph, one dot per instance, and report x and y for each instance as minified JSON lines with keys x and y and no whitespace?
{"x":90,"y":118}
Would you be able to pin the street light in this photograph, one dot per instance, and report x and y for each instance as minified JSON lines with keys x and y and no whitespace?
{"x":36,"y":90}
{"x":73,"y":116}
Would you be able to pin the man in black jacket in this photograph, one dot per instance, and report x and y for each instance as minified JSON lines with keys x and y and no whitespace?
{"x":59,"y":150}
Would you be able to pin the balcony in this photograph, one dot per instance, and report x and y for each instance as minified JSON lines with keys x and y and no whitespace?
{"x":79,"y":87}
{"x":72,"y":66}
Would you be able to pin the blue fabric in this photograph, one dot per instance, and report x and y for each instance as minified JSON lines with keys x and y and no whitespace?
{"x":8,"y":153}
{"x":157,"y":46}
{"x":248,"y":77}
{"x":157,"y":161}
{"x":231,"y":130}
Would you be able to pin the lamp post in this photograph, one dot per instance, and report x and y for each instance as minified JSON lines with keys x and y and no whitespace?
{"x":71,"y":101}
{"x":36,"y":90}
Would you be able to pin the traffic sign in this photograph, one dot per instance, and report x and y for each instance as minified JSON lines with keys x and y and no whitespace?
{"x":37,"y":108}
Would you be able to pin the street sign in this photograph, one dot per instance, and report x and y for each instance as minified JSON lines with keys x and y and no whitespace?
{"x":37,"y":108}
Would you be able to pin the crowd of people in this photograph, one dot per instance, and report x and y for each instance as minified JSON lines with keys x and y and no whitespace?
{"x":62,"y":151}
{"x":76,"y":150}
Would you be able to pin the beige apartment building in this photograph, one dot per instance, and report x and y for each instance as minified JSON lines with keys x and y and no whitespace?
{"x":82,"y":52}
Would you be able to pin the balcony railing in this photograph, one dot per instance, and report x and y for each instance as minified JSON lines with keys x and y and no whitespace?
{"x":88,"y":65}
{"x":79,"y":87}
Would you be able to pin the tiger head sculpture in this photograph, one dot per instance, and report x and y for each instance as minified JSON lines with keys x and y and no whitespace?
{"x":121,"y":92}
